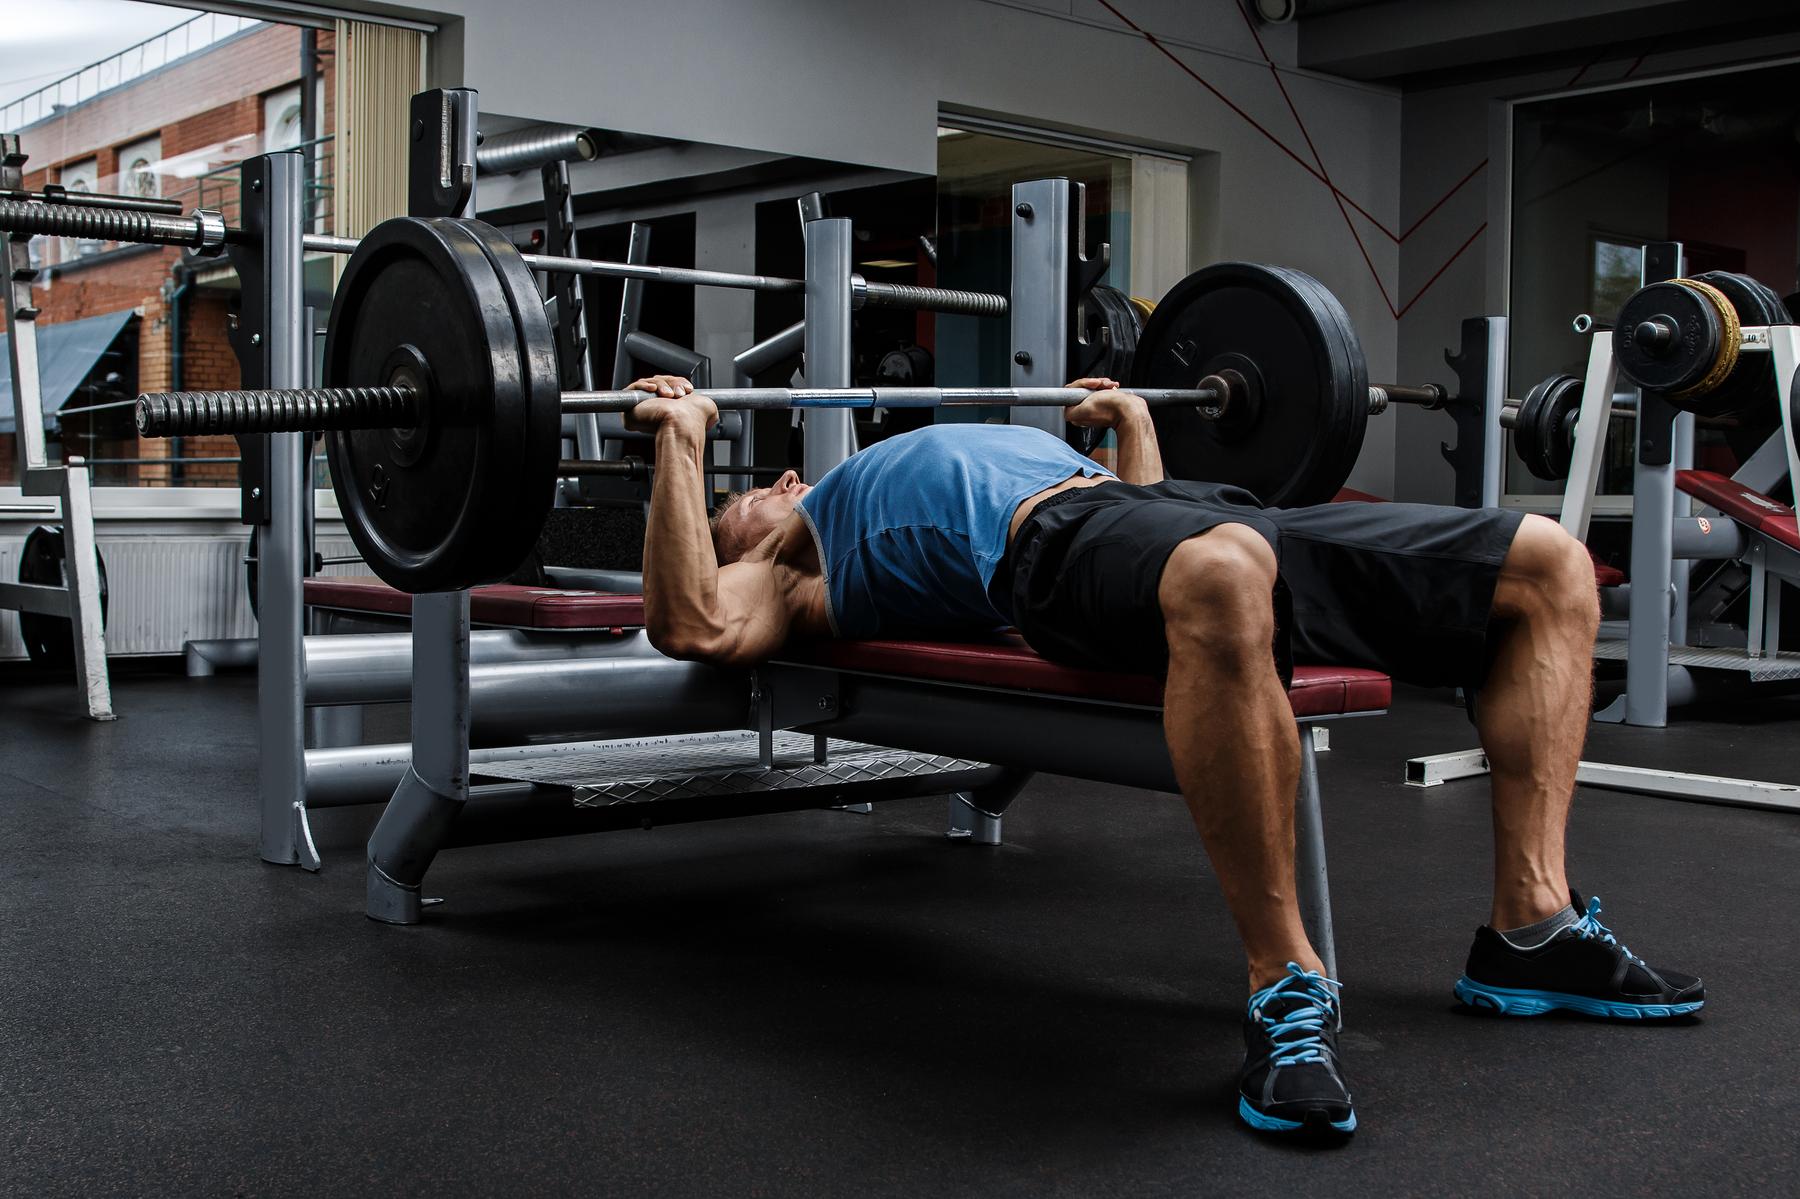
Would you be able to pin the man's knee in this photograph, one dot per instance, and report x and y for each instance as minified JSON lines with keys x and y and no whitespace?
{"x":1549,"y":573}
{"x":1216,"y":593}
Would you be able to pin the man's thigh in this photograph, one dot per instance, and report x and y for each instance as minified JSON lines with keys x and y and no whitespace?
{"x":1403,"y":588}
{"x":1086,"y":576}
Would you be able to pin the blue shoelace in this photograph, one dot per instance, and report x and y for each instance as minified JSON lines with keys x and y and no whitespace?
{"x":1305,"y":1025}
{"x":1589,"y":928}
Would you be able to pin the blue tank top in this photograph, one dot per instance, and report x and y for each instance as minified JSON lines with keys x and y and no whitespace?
{"x":911,"y":530}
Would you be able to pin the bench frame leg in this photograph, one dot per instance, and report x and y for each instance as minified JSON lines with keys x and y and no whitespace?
{"x":417,"y":820}
{"x":1312,"y":887}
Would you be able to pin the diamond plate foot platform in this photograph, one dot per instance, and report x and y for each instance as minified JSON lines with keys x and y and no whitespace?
{"x":714,"y":766}
{"x":1767,"y":669}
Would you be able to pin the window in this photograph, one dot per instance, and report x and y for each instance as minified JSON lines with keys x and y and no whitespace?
{"x":281,"y":119}
{"x":140,"y":165}
{"x":83,"y":176}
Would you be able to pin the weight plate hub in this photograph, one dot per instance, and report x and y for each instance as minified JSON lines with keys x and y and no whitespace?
{"x":1672,"y":338}
{"x":1299,"y":442}
{"x":459,"y":500}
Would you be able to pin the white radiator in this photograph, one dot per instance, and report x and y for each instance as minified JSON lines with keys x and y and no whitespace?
{"x":165,"y":590}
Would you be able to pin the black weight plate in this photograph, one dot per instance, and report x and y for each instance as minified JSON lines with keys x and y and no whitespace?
{"x":437,"y":507}
{"x":1283,"y":328}
{"x":1528,"y":439}
{"x":1688,"y":355}
{"x":1340,"y":327}
{"x":1750,"y":387}
{"x":49,"y":639}
{"x":537,"y":431}
{"x":1556,"y":429}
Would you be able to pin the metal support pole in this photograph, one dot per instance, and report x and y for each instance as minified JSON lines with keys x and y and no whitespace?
{"x":1311,"y":884}
{"x":1493,"y":441}
{"x":975,"y":816}
{"x":81,"y":566}
{"x":631,"y":305}
{"x":1039,"y":303}
{"x":272,"y":186}
{"x":830,"y":435}
{"x":1646,"y":699}
{"x":1590,"y":436}
{"x":1680,"y":568}
{"x":417,"y":820}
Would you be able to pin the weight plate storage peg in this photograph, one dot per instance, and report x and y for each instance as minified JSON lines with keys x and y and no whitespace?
{"x":1293,"y":426}
{"x":458,"y":499}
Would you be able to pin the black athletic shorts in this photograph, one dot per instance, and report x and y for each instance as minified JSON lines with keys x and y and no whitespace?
{"x":1401,"y":588}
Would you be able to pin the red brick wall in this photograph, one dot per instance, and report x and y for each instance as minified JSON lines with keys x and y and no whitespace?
{"x":210,"y":100}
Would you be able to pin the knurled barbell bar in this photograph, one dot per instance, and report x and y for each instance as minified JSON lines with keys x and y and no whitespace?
{"x":403,"y":405}
{"x":207,"y":232}
{"x":444,"y":408}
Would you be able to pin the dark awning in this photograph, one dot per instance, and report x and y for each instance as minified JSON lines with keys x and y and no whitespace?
{"x":67,"y":354}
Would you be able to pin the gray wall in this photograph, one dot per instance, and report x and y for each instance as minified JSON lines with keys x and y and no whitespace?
{"x":1445,"y":132}
{"x":863,"y":81}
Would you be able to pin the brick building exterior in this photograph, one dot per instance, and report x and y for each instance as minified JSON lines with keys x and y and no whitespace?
{"x":207,"y":111}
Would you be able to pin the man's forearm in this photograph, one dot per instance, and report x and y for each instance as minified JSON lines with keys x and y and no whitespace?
{"x":1140,"y":458}
{"x":681,"y":571}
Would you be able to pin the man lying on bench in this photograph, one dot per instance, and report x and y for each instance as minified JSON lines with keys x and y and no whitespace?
{"x":970,"y":527}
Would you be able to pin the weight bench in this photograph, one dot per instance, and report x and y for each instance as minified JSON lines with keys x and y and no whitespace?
{"x":1771,"y":551}
{"x":954,"y":704}
{"x":356,"y":601}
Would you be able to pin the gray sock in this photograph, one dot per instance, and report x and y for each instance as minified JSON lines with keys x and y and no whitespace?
{"x":1533,"y":935}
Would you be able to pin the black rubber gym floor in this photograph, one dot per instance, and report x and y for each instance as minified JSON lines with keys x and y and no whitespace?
{"x":833,"y":1004}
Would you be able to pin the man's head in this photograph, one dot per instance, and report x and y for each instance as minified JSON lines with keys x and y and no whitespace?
{"x":745,"y":519}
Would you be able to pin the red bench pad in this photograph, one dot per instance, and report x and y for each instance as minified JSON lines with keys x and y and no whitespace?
{"x":498,"y":604}
{"x":1604,"y":575}
{"x":1748,"y":507}
{"x":1010,"y":663}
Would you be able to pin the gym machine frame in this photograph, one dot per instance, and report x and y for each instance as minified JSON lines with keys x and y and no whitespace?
{"x":1662,"y":545}
{"x":78,"y":599}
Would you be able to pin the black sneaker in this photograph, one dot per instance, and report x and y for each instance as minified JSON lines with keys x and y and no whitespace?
{"x":1583,"y":968}
{"x":1291,"y":1081}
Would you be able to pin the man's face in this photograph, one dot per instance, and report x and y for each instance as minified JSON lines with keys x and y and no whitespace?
{"x":756,"y":514}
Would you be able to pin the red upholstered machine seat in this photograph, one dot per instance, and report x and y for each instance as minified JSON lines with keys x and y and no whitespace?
{"x":1006,"y":662}
{"x":501,"y":604}
{"x":1750,"y":508}
{"x":1010,"y":664}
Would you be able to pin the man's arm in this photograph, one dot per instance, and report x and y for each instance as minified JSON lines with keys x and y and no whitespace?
{"x":693,"y":609}
{"x":1140,"y":458}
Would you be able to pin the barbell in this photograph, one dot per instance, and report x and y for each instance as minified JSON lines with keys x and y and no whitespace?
{"x":444,"y":409}
{"x":206,"y":231}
